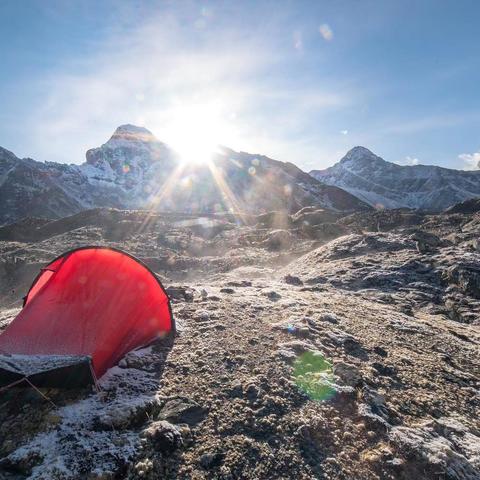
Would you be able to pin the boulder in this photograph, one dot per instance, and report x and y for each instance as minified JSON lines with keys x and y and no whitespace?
{"x":164,"y":436}
{"x":466,"y":277}
{"x":182,"y":410}
{"x":278,"y":240}
{"x":347,"y":373}
{"x":292,"y":280}
{"x":425,"y":241}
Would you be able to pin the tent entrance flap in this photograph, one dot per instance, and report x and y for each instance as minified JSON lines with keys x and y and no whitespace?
{"x":46,"y":371}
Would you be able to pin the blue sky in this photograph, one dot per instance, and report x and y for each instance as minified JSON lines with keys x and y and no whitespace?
{"x":297,"y":81}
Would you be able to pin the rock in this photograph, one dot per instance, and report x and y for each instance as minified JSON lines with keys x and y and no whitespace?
{"x":476,"y":244}
{"x":180,"y":293}
{"x":323,"y":231}
{"x":120,"y":416}
{"x":462,"y":310}
{"x":182,"y":410}
{"x":426,"y":242}
{"x":328,"y":317}
{"x":242,"y":283}
{"x":444,"y":445}
{"x":252,"y":392}
{"x":292,"y":280}
{"x":466,"y":277}
{"x":348,"y":374}
{"x":211,"y":460}
{"x":297,"y":347}
{"x":345,"y":340}
{"x":272,"y":295}
{"x":236,"y":389}
{"x":297,"y":329}
{"x":375,"y":410}
{"x":279,"y":219}
{"x":383,"y":369}
{"x":290,"y":351}
{"x":311,"y":216}
{"x":278,"y":240}
{"x":164,"y":436}
{"x":227,"y":290}
{"x":143,"y":467}
{"x":380,"y":351}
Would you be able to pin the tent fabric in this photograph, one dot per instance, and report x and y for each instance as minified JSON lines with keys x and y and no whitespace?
{"x":68,"y":371}
{"x":94,"y":302}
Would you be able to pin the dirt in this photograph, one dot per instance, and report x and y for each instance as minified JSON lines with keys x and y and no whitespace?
{"x":296,"y":356}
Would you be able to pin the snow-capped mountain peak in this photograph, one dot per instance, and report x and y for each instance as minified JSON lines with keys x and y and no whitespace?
{"x":127,"y":134}
{"x":388,"y":185}
{"x":360,"y":155}
{"x":134,"y":170}
{"x":127,"y":156}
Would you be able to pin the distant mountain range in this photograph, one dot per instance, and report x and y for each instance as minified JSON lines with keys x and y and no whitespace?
{"x":383,"y":184}
{"x":134,"y":170}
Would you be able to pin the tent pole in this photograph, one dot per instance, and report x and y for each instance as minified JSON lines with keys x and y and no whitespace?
{"x":41,"y":393}
{"x":10,"y":385}
{"x":95,"y":379}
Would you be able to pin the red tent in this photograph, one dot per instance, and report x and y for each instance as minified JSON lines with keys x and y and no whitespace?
{"x":83,"y":313}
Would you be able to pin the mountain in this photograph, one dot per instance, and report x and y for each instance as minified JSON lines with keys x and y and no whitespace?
{"x":385,"y":184}
{"x":134,"y":170}
{"x":30,"y":188}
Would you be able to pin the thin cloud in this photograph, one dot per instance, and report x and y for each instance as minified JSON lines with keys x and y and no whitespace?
{"x":471,"y":161}
{"x":147,"y":76}
{"x":410,"y":161}
{"x":297,"y":41}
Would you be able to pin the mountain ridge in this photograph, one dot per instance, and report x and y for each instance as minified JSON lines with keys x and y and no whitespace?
{"x":134,"y":170}
{"x":384,"y":184}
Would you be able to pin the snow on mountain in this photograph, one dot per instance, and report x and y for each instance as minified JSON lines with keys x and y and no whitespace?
{"x":135,"y":170}
{"x":388,"y":185}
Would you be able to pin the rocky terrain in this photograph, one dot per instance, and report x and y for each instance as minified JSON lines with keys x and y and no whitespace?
{"x":317,"y":345}
{"x":388,"y":185}
{"x":133,"y":169}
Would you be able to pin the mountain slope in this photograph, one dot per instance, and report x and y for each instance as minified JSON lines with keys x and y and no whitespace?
{"x":388,"y":185}
{"x":135,"y":170}
{"x":29,"y":188}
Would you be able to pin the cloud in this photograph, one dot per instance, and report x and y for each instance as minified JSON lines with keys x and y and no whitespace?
{"x":297,"y":41}
{"x":471,"y":161}
{"x":144,"y":77}
{"x":410,"y":161}
{"x":170,"y":63}
{"x":344,"y":132}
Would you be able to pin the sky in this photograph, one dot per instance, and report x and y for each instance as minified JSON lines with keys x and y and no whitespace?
{"x":298,"y":81}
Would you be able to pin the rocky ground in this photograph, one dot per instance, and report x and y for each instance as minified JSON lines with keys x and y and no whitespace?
{"x":308,"y":346}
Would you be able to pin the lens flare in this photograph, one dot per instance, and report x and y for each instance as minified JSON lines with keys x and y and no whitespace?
{"x":326,"y":32}
{"x":314,"y":375}
{"x":195,"y":130}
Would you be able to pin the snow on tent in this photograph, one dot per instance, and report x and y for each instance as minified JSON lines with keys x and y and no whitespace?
{"x":83,"y":313}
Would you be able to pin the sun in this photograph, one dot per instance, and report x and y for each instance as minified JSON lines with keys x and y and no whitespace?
{"x":194,"y":131}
